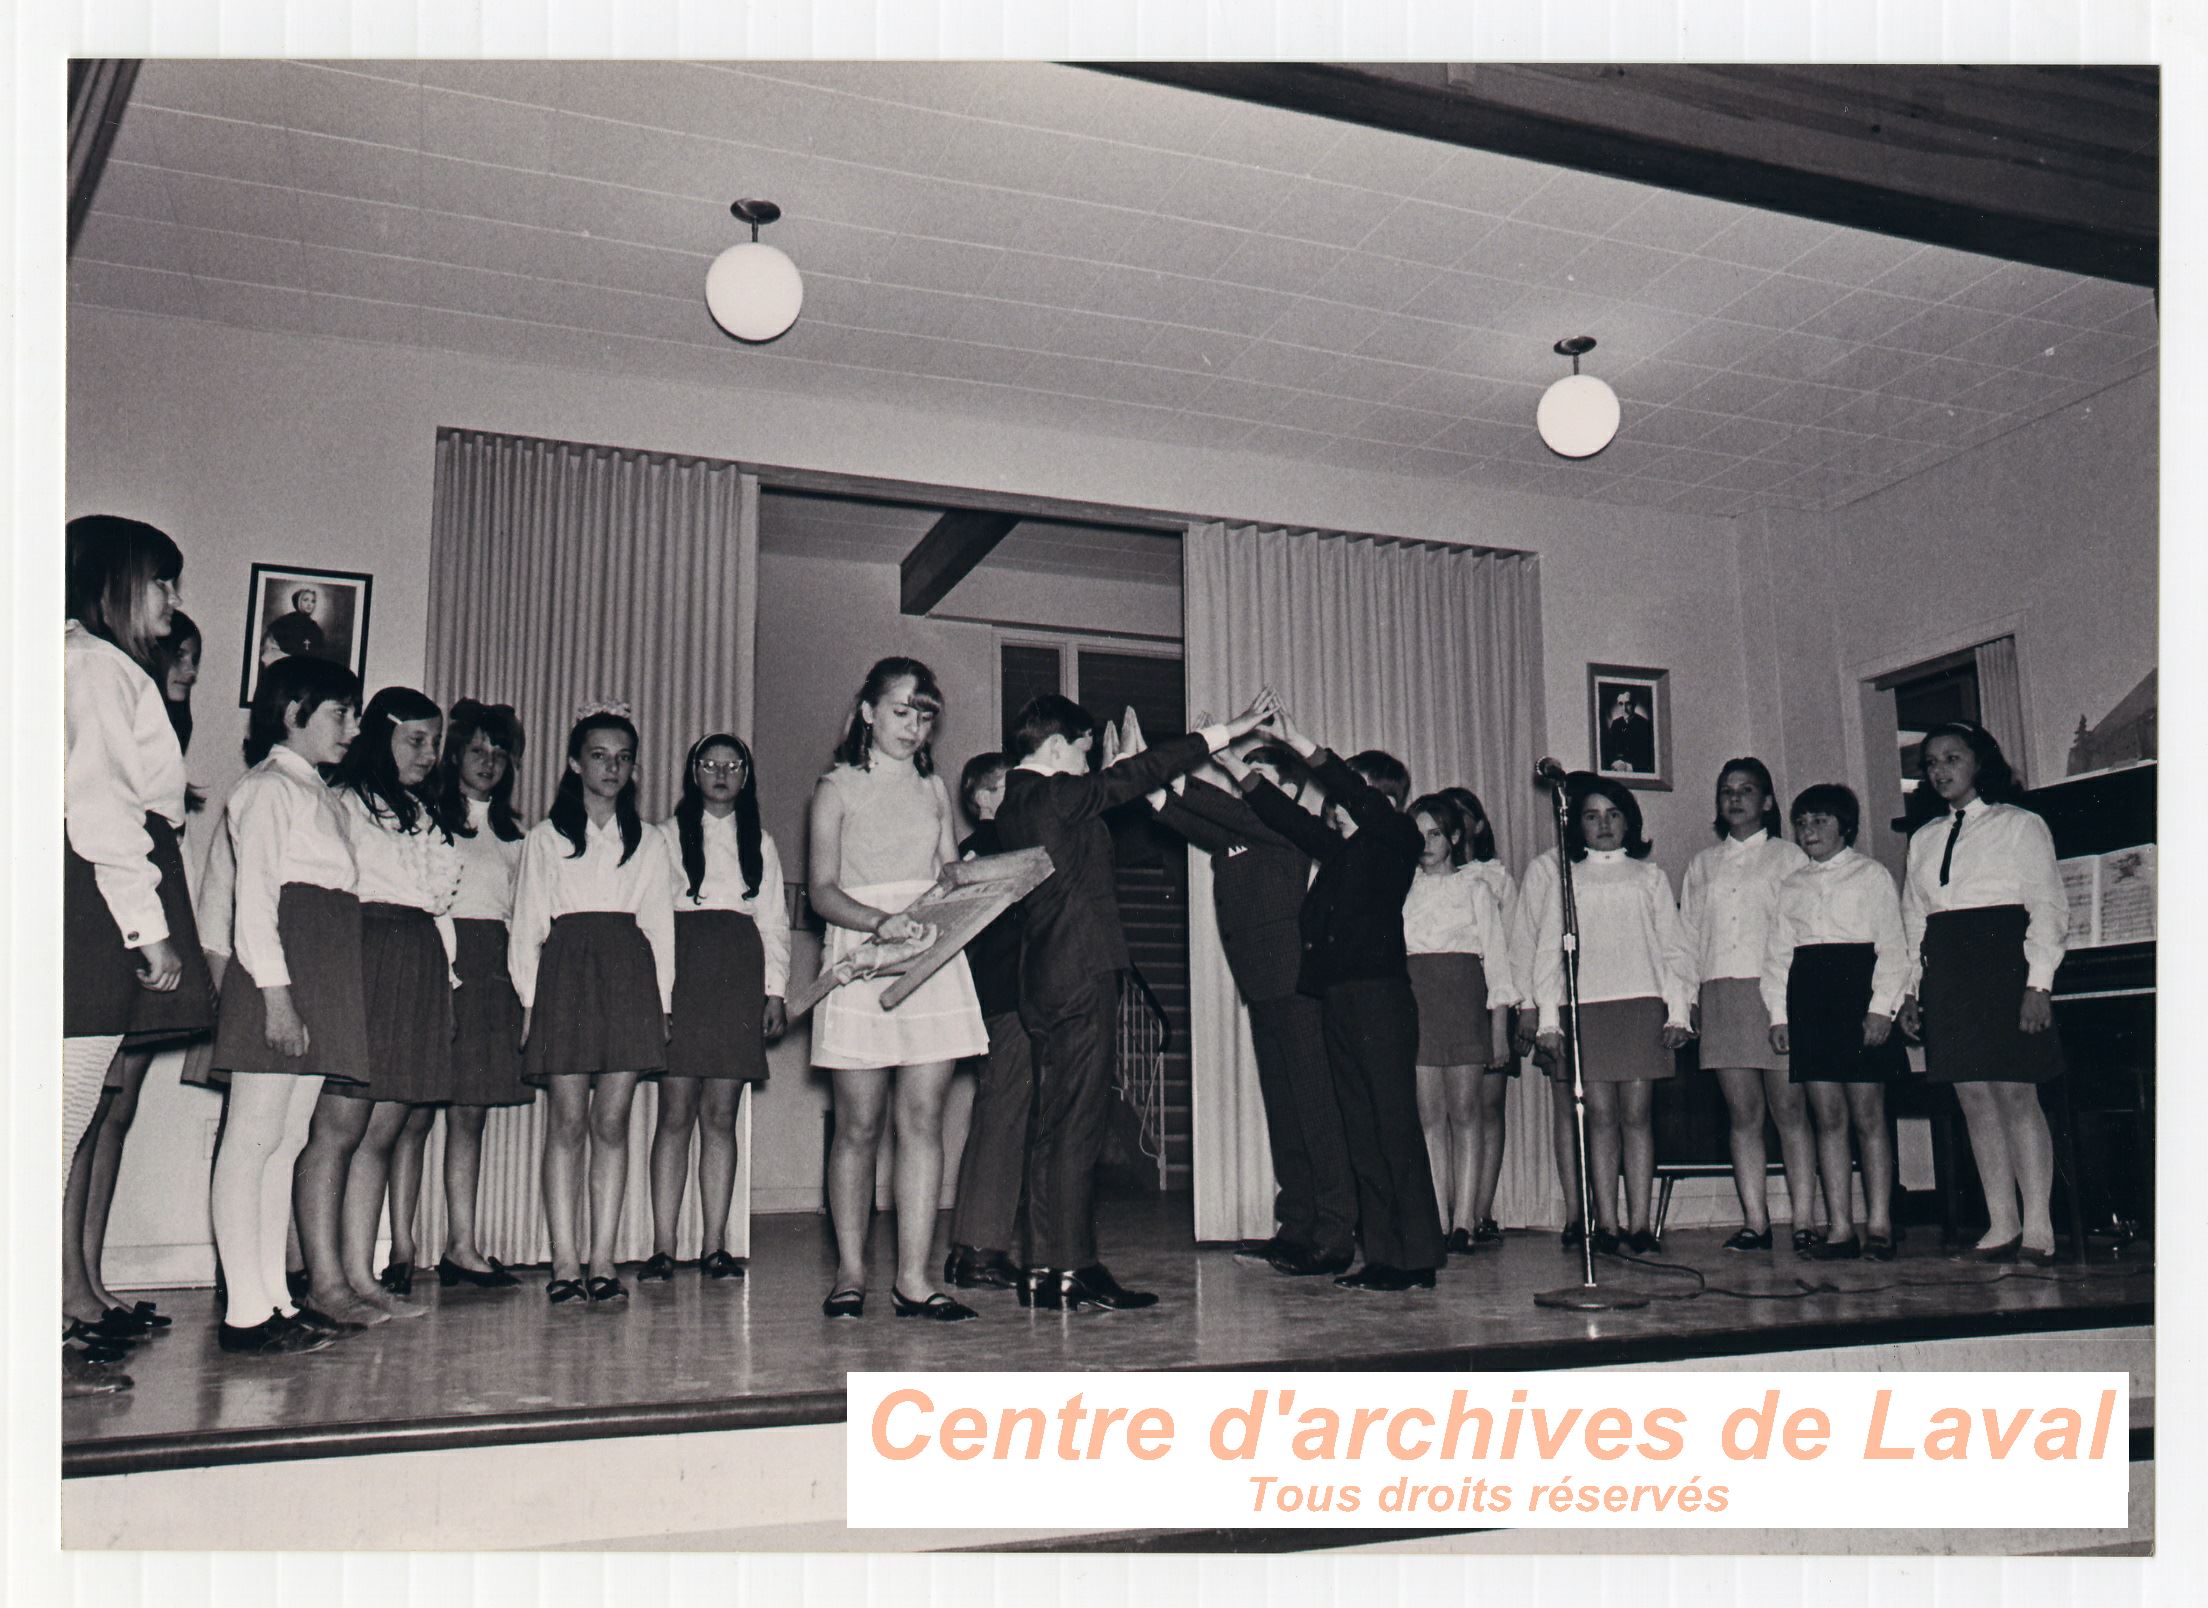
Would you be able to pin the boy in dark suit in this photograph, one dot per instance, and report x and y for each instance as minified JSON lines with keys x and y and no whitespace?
{"x":1259,"y":879}
{"x":1352,"y":928}
{"x":1071,"y":953}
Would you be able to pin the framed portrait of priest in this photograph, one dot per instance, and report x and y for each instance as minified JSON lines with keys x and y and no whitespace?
{"x":311,"y":613}
{"x":1629,"y":724}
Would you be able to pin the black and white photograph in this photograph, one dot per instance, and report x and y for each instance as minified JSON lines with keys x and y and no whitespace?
{"x":299,"y":613}
{"x":1629,"y":724}
{"x":1554,"y":662}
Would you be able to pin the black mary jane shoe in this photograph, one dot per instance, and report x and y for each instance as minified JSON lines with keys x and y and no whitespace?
{"x":2030,"y":1256}
{"x":496,"y":1277}
{"x":2001,"y":1254}
{"x":1879,"y":1248}
{"x":1573,"y":1237}
{"x":1460,"y":1242}
{"x":941,"y":1308}
{"x":1806,"y":1241}
{"x":322,"y":1323}
{"x":969,"y":1268}
{"x":89,"y":1348}
{"x":150,"y":1315}
{"x":1607,"y":1243}
{"x":1641,"y":1243}
{"x":560,"y":1291}
{"x":1847,"y":1250}
{"x":721,"y":1265}
{"x":605,"y":1287}
{"x":660,"y":1268}
{"x":1302,"y":1264}
{"x":274,"y":1336}
{"x":844,"y":1304}
{"x":298,"y":1282}
{"x":1748,"y":1240}
{"x":398,"y":1278}
{"x":120,"y":1327}
{"x":99,"y":1335}
{"x":1488,"y":1233}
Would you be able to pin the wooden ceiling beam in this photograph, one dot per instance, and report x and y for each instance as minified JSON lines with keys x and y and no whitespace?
{"x":2001,"y":161}
{"x":948,"y":553}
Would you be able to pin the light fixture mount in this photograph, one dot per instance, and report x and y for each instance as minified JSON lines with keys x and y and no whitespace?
{"x":757,"y":212}
{"x":1575,"y":347}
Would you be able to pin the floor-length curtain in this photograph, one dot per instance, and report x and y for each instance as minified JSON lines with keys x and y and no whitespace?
{"x":1428,"y":651}
{"x":2001,"y":700}
{"x":558,"y":572}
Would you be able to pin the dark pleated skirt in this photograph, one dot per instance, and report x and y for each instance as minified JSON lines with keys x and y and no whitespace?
{"x":720,"y":997}
{"x":407,"y":987}
{"x":1828,"y":993}
{"x":100,"y":989}
{"x":486,"y":1039}
{"x":1971,"y":994}
{"x":597,"y":1000}
{"x":322,"y":950}
{"x":1454,"y":1028}
{"x":1621,"y":1040}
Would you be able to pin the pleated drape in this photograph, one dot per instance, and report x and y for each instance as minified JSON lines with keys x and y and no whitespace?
{"x":1432,"y":653}
{"x":2001,"y":700}
{"x":558,"y":572}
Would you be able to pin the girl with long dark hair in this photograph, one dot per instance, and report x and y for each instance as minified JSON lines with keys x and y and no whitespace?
{"x":593,"y":962}
{"x":732,"y":967}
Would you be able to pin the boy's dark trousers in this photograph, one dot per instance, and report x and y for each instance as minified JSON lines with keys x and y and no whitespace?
{"x":1316,"y":1203}
{"x":1372,"y":1045}
{"x":1073,"y":1037}
{"x":993,"y":1171}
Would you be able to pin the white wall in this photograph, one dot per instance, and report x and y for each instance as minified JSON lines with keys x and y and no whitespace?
{"x":253,"y":446}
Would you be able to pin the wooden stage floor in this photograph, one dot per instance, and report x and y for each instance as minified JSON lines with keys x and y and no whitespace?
{"x":501,"y":1367}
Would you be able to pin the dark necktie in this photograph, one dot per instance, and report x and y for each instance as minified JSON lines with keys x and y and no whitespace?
{"x":1947,"y":860}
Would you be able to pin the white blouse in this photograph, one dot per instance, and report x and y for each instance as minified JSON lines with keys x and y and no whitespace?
{"x":1502,"y":963}
{"x":2003,"y":856}
{"x":1632,"y":944}
{"x":1727,"y":901}
{"x":214,"y":907}
{"x":1454,"y":913}
{"x":723,"y":889}
{"x":553,"y":883}
{"x":120,"y":763}
{"x":488,"y":866}
{"x":1848,"y":899}
{"x":418,"y":869}
{"x":284,"y":826}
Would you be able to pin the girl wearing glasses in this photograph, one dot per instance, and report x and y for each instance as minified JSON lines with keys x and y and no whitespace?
{"x":732,"y":966}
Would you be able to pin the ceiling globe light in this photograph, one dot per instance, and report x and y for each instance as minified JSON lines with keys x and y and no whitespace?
{"x":753,"y":291}
{"x":1579,"y":414}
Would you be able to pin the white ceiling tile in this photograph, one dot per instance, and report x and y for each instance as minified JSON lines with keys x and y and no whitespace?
{"x":1701,"y":285}
{"x":1525,"y":253}
{"x":1033,"y":277}
{"x":1675,"y":221}
{"x":1402,"y":339}
{"x":1675,"y":427}
{"x":359,"y":274}
{"x":1075,"y":376}
{"x":1933,"y":273}
{"x":1938,"y":379}
{"x":1793,"y":356}
{"x":1730,"y":393}
{"x":2094,"y":303}
{"x":641,"y":217}
{"x":1094,"y":335}
{"x":1739,"y":437}
{"x":131,"y":242}
{"x":611,"y":152}
{"x":1136,"y":292}
{"x":1427,"y":463}
{"x":133,"y":191}
{"x":1767,"y":239}
{"x":247,"y":259}
{"x":536,"y":83}
{"x":1626,"y":333}
{"x":1693,"y":466}
{"x":1586,"y":203}
{"x":989,"y":153}
{"x":212,"y":203}
{"x":816,"y":245}
{"x":1468,"y":299}
{"x":485,"y":130}
{"x":1408,"y":427}
{"x":1862,"y":317}
{"x":1783,"y":301}
{"x":1480,"y":438}
{"x":1716,"y":343}
{"x":1798,"y":402}
{"x":1381,"y":284}
{"x":1297,"y":366}
{"x":1811,"y":444}
{"x":1176,"y":246}
{"x":2143,"y":322}
{"x":1279,"y":441}
{"x":1297,"y":266}
{"x":1482,"y":181}
{"x":944,"y":86}
{"x":327,"y":166}
{"x":1629,"y":455}
{"x":1873,"y":413}
{"x":1941,"y":329}
{"x":1460,"y":396}
{"x":1152,"y":386}
{"x":1330,"y":326}
{"x":1045,"y":95}
{"x":1427,"y":232}
{"x":510,"y":195}
{"x":1231,"y":195}
{"x":2072,"y":354}
{"x":1115,"y":174}
{"x":1712,"y":501}
{"x":2016,"y":287}
{"x":1360,"y":378}
{"x":253,"y":91}
{"x":379,"y":110}
{"x":1241,"y":399}
{"x":1554,"y":312}
{"x":1237,"y":309}
{"x":1505,"y":357}
{"x":1512,"y":401}
{"x":1620,"y":268}
{"x":1658,"y":380}
{"x":227,"y":149}
{"x":145,"y":290}
{"x":1241,"y":131}
{"x":1853,"y":257}
{"x":948,"y":265}
{"x":1380,"y":160}
{"x":1332,"y":214}
{"x":1201,"y":351}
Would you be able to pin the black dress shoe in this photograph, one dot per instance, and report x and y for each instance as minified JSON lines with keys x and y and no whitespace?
{"x":1078,"y":1289}
{"x":1748,"y":1240}
{"x":1303,"y":1264}
{"x":938,"y":1306}
{"x":1030,"y":1287}
{"x":397,"y":1277}
{"x":1574,"y":1236}
{"x":145,"y":1312}
{"x":1487,"y":1233}
{"x":844,"y":1304}
{"x":119,"y":1326}
{"x":1263,"y":1250}
{"x":323,"y":1323}
{"x":274,"y":1336}
{"x":1806,"y":1241}
{"x":1607,"y":1243}
{"x":721,"y":1265}
{"x":561,"y":1291}
{"x":968,"y":1268}
{"x":495,"y":1277}
{"x":298,"y":1283}
{"x":1460,"y":1242}
{"x":660,"y":1266}
{"x":1364,"y":1277}
{"x":1642,"y":1243}
{"x":605,"y":1287}
{"x":1879,"y":1247}
{"x":1846,"y":1250}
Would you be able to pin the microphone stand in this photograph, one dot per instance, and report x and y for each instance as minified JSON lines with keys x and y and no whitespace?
{"x":1587,"y":1296}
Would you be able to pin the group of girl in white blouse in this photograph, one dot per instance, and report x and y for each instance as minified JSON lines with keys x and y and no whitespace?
{"x":1797,"y":966}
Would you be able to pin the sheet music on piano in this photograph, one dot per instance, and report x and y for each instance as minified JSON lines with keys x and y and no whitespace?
{"x":2111,"y":896}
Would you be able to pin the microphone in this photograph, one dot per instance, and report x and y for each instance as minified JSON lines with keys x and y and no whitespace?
{"x":1548,"y":773}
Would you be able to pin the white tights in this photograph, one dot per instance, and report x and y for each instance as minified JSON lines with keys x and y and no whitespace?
{"x":267,"y":1128}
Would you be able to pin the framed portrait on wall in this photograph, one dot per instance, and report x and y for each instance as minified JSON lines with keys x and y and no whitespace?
{"x":315,"y":613}
{"x":1629,"y":724}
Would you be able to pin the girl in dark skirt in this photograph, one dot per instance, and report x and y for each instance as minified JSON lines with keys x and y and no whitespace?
{"x":1636,"y":974}
{"x":732,"y":964}
{"x":474,"y":792}
{"x":408,"y":873}
{"x":1835,"y":970}
{"x":1452,"y":927}
{"x":98,"y":1161}
{"x":593,"y":963}
{"x":1501,"y":963}
{"x":1725,"y":902}
{"x":1986,"y":920}
{"x":292,"y":1015}
{"x":130,"y":956}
